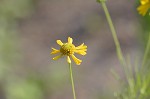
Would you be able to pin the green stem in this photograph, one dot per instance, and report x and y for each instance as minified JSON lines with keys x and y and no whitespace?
{"x":116,"y":41}
{"x":146,"y":51}
{"x":72,"y":82}
{"x":118,"y":48}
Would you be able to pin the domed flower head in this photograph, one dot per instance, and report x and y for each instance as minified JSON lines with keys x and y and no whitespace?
{"x":68,"y":49}
{"x":144,"y":7}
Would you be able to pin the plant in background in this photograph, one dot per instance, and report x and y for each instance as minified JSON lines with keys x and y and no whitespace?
{"x":10,"y":10}
{"x":114,"y":34}
{"x":137,"y":84}
{"x":14,"y":87}
{"x":69,"y":50}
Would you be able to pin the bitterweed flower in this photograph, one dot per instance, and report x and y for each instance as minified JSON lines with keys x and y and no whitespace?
{"x":68,"y":49}
{"x":144,"y":7}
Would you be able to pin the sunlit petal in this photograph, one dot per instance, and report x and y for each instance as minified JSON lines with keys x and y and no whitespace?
{"x":81,"y":52}
{"x":59,"y":42}
{"x":144,"y":1}
{"x":143,"y":9}
{"x":80,"y":46}
{"x":77,"y":61}
{"x":84,"y":47}
{"x":55,"y":51}
{"x":70,"y":40}
{"x":57,"y":57}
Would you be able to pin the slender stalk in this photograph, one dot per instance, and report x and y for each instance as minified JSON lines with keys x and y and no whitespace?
{"x":72,"y":82}
{"x":118,"y":48}
{"x":146,"y":51}
{"x":116,"y":41}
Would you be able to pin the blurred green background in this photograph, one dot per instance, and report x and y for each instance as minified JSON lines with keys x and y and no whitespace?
{"x":29,"y":28}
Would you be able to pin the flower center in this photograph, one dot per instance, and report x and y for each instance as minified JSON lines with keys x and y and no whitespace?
{"x":67,"y":49}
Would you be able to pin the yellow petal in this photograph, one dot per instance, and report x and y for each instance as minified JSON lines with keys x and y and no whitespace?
{"x":143,"y":9}
{"x":57,"y":57}
{"x":54,"y":51}
{"x":70,"y":40}
{"x":82,"y":46}
{"x":84,"y":49}
{"x":144,"y":1}
{"x":68,"y":59}
{"x":59,"y":42}
{"x":78,"y":47}
{"x":77,"y":61}
{"x":82,"y":52}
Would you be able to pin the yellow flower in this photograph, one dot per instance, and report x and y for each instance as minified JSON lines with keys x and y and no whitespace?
{"x":144,"y":7}
{"x":69,"y":50}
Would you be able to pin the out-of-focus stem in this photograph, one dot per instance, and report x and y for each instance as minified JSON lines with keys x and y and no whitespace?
{"x":118,"y":48}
